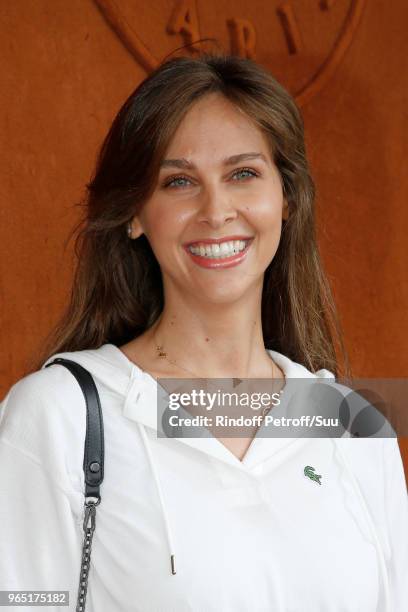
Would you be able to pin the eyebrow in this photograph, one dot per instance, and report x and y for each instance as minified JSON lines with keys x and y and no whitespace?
{"x":185,"y":164}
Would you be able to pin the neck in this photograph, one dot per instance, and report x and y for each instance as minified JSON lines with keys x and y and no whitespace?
{"x":222,"y":341}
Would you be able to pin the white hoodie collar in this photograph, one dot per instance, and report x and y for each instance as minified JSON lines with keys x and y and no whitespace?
{"x":114,"y":370}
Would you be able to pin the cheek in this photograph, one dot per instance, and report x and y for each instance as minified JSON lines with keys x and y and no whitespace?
{"x":163,"y":227}
{"x":265,"y":201}
{"x":265,"y":213}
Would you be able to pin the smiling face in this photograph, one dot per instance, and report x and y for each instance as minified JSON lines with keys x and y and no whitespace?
{"x":210,"y":188}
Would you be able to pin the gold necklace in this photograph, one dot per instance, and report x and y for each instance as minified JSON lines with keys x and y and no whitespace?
{"x":163,"y":354}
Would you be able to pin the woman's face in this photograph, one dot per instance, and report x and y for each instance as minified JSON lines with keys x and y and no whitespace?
{"x":203,"y":194}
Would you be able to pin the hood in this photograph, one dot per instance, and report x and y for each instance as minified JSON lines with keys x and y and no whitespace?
{"x":140,"y":391}
{"x":113,"y":370}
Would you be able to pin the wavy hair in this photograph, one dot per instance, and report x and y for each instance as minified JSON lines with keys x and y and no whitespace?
{"x":117,"y":290}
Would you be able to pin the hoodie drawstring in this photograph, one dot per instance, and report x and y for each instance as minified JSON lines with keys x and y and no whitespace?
{"x":160,"y":493}
{"x":380,"y":554}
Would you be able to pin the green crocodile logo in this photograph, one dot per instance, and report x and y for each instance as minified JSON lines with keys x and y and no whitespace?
{"x":309,"y":471}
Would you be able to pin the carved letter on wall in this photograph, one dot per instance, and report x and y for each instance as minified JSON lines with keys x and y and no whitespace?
{"x":290,"y":27}
{"x":243,"y":37}
{"x":184,"y":21}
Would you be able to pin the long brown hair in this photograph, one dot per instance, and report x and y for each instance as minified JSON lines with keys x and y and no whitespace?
{"x":117,"y":290}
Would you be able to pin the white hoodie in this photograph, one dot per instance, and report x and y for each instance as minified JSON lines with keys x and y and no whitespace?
{"x":247,"y":536}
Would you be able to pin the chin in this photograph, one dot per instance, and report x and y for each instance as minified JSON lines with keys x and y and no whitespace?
{"x":227,"y":293}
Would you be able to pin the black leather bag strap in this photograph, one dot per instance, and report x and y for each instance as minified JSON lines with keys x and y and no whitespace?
{"x":93,"y":465}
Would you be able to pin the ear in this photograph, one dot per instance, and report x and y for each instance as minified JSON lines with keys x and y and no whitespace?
{"x":285,"y":209}
{"x":137,"y":229}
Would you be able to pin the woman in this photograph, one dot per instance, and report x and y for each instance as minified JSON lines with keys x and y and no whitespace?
{"x":198,"y":258}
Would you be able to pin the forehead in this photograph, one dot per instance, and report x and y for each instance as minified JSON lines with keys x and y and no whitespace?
{"x":214,"y":126}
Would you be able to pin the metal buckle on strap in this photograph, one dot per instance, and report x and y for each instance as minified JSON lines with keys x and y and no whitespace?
{"x":89,"y":518}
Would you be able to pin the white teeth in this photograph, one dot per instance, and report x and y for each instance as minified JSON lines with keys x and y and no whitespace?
{"x":214,"y":251}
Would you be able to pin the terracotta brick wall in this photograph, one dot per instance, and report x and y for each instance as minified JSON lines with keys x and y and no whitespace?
{"x":69,"y":66}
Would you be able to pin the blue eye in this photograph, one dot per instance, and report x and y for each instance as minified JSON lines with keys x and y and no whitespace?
{"x":251,"y":172}
{"x":173,"y":182}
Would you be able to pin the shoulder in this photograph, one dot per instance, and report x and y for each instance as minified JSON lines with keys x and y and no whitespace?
{"x":39,"y":391}
{"x":364,"y":456}
{"x":48,"y":406}
{"x":377,"y":467}
{"x":43,"y":414}
{"x":42,"y":435}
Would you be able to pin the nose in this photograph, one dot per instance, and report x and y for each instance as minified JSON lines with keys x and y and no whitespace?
{"x":216,"y":208}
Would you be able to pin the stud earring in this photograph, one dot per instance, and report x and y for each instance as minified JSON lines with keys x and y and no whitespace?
{"x":129,"y":230}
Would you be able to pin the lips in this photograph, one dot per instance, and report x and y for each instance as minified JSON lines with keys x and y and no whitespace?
{"x":220,"y":262}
